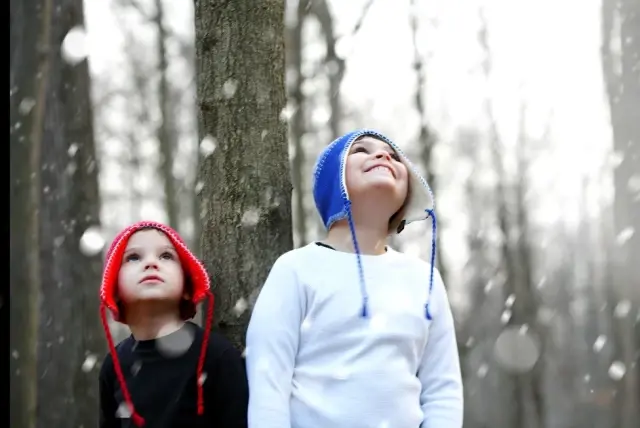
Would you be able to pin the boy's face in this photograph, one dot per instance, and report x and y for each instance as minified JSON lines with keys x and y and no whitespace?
{"x":151,"y":269}
{"x":373,"y":165}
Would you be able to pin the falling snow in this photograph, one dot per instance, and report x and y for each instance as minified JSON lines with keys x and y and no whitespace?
{"x":176,"y":344}
{"x":622,"y":309}
{"x":74,"y":46}
{"x":135,"y":367}
{"x":229,"y":88}
{"x":240,"y":307}
{"x":599,"y":343}
{"x":634,"y":183}
{"x":26,"y":105}
{"x":516,"y":349}
{"x":208,"y":146}
{"x":624,"y":235}
{"x":506,"y":316}
{"x":617,"y":370}
{"x":287,"y":113}
{"x":123,"y":411}
{"x":198,"y":187}
{"x":92,"y":241}
{"x":250,"y":217}
{"x":72,"y":150}
{"x":483,"y":369}
{"x":89,"y":363}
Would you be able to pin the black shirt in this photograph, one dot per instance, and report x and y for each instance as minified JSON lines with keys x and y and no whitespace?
{"x":161,"y":377}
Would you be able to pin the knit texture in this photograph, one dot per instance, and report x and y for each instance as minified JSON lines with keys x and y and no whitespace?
{"x":332,"y":200}
{"x":194,"y":272}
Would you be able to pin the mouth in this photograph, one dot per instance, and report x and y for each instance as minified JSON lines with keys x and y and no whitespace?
{"x":151,"y":278}
{"x":381,"y":167}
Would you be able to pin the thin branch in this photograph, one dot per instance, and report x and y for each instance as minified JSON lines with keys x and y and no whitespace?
{"x":336,"y":65}
{"x":363,"y":15}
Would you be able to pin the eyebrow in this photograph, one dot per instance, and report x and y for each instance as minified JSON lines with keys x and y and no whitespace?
{"x":369,"y":142}
{"x":165,"y":247}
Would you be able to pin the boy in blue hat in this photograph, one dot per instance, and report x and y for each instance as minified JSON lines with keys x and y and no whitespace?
{"x":348,"y":333}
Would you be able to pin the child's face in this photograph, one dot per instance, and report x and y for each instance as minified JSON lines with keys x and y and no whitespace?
{"x":373,"y":164}
{"x":151,"y":269}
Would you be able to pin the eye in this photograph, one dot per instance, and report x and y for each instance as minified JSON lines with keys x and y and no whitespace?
{"x":360,"y":149}
{"x":132,"y":257}
{"x":395,"y":156}
{"x":167,"y":256}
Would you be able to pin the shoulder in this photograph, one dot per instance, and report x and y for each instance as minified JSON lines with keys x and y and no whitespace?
{"x":411,"y":261}
{"x":106,"y":368}
{"x":218,"y":347}
{"x":299,"y":257}
{"x":418,"y":269}
{"x":287,"y":267}
{"x":122,"y":348}
{"x":295,"y":263}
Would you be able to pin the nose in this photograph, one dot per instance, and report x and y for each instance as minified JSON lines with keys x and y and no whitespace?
{"x":150,"y":262}
{"x":383,"y":154}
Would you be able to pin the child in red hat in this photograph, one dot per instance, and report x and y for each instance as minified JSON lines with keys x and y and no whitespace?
{"x":169,"y":372}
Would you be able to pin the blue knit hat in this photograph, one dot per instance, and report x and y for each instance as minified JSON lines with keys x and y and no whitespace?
{"x":333,"y":203}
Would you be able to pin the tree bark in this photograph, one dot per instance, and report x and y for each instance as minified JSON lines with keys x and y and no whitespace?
{"x":247,"y":185}
{"x":57,"y":200}
{"x":30,"y":27}
{"x":622,"y":80}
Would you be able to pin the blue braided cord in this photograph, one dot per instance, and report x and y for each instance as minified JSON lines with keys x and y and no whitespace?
{"x":431,"y":213}
{"x":363,"y":288}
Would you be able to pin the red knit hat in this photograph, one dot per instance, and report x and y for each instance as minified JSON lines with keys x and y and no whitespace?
{"x":194,"y":272}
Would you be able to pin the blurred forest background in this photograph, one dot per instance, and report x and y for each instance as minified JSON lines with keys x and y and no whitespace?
{"x":524,"y":116}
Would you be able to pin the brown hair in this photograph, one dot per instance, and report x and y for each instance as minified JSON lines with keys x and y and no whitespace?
{"x":396,"y":218}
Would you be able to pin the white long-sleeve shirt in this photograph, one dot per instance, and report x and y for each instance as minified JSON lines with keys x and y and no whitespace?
{"x":314,"y":362}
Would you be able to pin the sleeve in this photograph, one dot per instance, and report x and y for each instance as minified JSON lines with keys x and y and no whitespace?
{"x":441,"y":398}
{"x":272,"y":346}
{"x":108,"y":404}
{"x":229,"y":393}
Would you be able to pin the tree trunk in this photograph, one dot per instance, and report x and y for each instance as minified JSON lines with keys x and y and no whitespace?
{"x":294,"y":56}
{"x":426,"y":138}
{"x":58,"y":335}
{"x":526,"y":389}
{"x":335,"y":66}
{"x":247,"y":187}
{"x":166,"y":130}
{"x":621,"y":25}
{"x":30,"y":27}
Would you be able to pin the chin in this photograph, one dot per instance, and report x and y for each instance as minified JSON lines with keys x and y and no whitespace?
{"x":152,"y":296}
{"x":382,"y":188}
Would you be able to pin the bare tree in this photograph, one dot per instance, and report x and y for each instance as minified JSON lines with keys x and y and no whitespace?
{"x":166,"y":131}
{"x":426,"y":137}
{"x":294,"y":56}
{"x":620,"y":52}
{"x":334,"y":65}
{"x":526,"y":389}
{"x":28,"y":27}
{"x":55,"y":190}
{"x":247,"y":187}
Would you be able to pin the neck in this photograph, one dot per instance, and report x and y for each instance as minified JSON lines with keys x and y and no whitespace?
{"x":371,"y":232}
{"x":148,"y":322}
